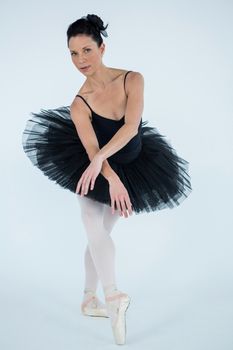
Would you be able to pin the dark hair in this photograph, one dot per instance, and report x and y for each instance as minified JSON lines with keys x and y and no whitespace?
{"x":90,"y":25}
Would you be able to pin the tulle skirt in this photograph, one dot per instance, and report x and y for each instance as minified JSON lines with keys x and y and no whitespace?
{"x":156,"y":179}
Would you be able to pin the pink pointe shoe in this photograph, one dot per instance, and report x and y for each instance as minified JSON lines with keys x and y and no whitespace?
{"x":92,"y":306}
{"x":117,"y":305}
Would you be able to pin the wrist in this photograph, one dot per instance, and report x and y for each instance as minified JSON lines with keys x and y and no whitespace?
{"x":100,"y":156}
{"x":112,"y":177}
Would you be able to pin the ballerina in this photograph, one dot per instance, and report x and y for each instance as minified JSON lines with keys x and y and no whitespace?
{"x":100,"y":149}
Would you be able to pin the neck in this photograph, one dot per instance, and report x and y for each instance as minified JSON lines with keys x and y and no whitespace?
{"x":100,"y":78}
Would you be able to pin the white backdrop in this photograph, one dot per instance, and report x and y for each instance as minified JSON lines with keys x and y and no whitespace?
{"x":175,"y":264}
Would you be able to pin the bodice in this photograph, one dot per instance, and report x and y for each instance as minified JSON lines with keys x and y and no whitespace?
{"x":105,"y":129}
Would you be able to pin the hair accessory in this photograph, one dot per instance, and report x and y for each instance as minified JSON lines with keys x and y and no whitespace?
{"x":104,"y":33}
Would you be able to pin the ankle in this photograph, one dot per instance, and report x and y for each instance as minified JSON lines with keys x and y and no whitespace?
{"x":87,"y":293}
{"x":110,"y":289}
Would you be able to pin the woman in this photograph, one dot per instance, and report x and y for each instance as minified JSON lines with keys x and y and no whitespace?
{"x":100,"y":149}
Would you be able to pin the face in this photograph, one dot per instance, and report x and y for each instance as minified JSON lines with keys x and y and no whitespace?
{"x":85,"y":52}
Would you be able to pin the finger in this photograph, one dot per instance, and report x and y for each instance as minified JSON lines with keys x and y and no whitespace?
{"x":81,"y":181}
{"x":129,"y":205}
{"x":113,"y":205}
{"x":78,"y":185}
{"x":118,"y":206}
{"x":85,"y":184}
{"x":82,"y":188}
{"x":123,"y":206}
{"x":93,"y":183}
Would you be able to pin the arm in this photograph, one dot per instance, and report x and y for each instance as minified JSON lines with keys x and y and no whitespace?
{"x":134,"y":109}
{"x":86,"y":133}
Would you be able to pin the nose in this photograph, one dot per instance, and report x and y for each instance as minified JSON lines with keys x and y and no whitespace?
{"x":81,"y":59}
{"x":82,"y":63}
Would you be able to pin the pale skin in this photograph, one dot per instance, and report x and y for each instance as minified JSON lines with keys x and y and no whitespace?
{"x":102,"y":86}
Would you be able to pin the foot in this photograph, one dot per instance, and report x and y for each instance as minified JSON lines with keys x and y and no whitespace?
{"x":92,"y":306}
{"x":117,"y":304}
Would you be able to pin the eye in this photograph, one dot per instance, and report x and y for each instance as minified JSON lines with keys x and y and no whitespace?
{"x":74,"y":53}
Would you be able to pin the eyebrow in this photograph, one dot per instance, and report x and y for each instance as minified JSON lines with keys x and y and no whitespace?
{"x":83,"y":48}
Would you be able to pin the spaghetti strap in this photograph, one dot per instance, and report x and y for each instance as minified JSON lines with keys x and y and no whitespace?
{"x":125,"y":78}
{"x":85,"y":102}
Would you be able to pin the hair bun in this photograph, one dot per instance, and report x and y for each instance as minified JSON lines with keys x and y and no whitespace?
{"x":98,"y":23}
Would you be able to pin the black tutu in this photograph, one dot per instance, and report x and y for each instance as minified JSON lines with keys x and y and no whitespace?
{"x":156,"y":179}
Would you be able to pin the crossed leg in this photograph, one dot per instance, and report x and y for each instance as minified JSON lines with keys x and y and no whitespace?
{"x":99,"y":258}
{"x":100,"y":263}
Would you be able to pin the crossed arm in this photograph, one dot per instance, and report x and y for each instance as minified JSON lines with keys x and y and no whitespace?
{"x":133,"y":114}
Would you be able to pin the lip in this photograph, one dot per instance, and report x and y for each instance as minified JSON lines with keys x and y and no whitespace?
{"x":85,"y":68}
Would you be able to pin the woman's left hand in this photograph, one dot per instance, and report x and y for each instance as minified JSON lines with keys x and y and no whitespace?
{"x":89,"y":175}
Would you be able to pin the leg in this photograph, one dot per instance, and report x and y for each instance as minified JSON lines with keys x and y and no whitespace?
{"x":91,"y":276}
{"x":98,"y":222}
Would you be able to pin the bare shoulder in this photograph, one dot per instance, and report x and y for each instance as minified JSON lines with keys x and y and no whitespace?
{"x":77,"y":103}
{"x":78,"y":108}
{"x":134,"y":76}
{"x":134,"y":81}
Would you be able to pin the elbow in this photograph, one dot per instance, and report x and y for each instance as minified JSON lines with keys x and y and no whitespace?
{"x":136,"y":130}
{"x":133,"y":129}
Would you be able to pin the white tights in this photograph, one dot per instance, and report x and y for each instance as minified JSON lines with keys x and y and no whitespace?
{"x":99,"y":258}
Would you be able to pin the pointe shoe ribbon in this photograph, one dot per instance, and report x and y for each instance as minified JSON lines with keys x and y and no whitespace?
{"x":116,"y":296}
{"x":93,"y":307}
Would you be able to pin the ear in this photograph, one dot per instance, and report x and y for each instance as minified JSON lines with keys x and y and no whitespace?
{"x":102,"y":48}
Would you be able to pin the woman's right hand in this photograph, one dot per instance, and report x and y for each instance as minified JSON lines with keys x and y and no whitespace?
{"x":119,"y":194}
